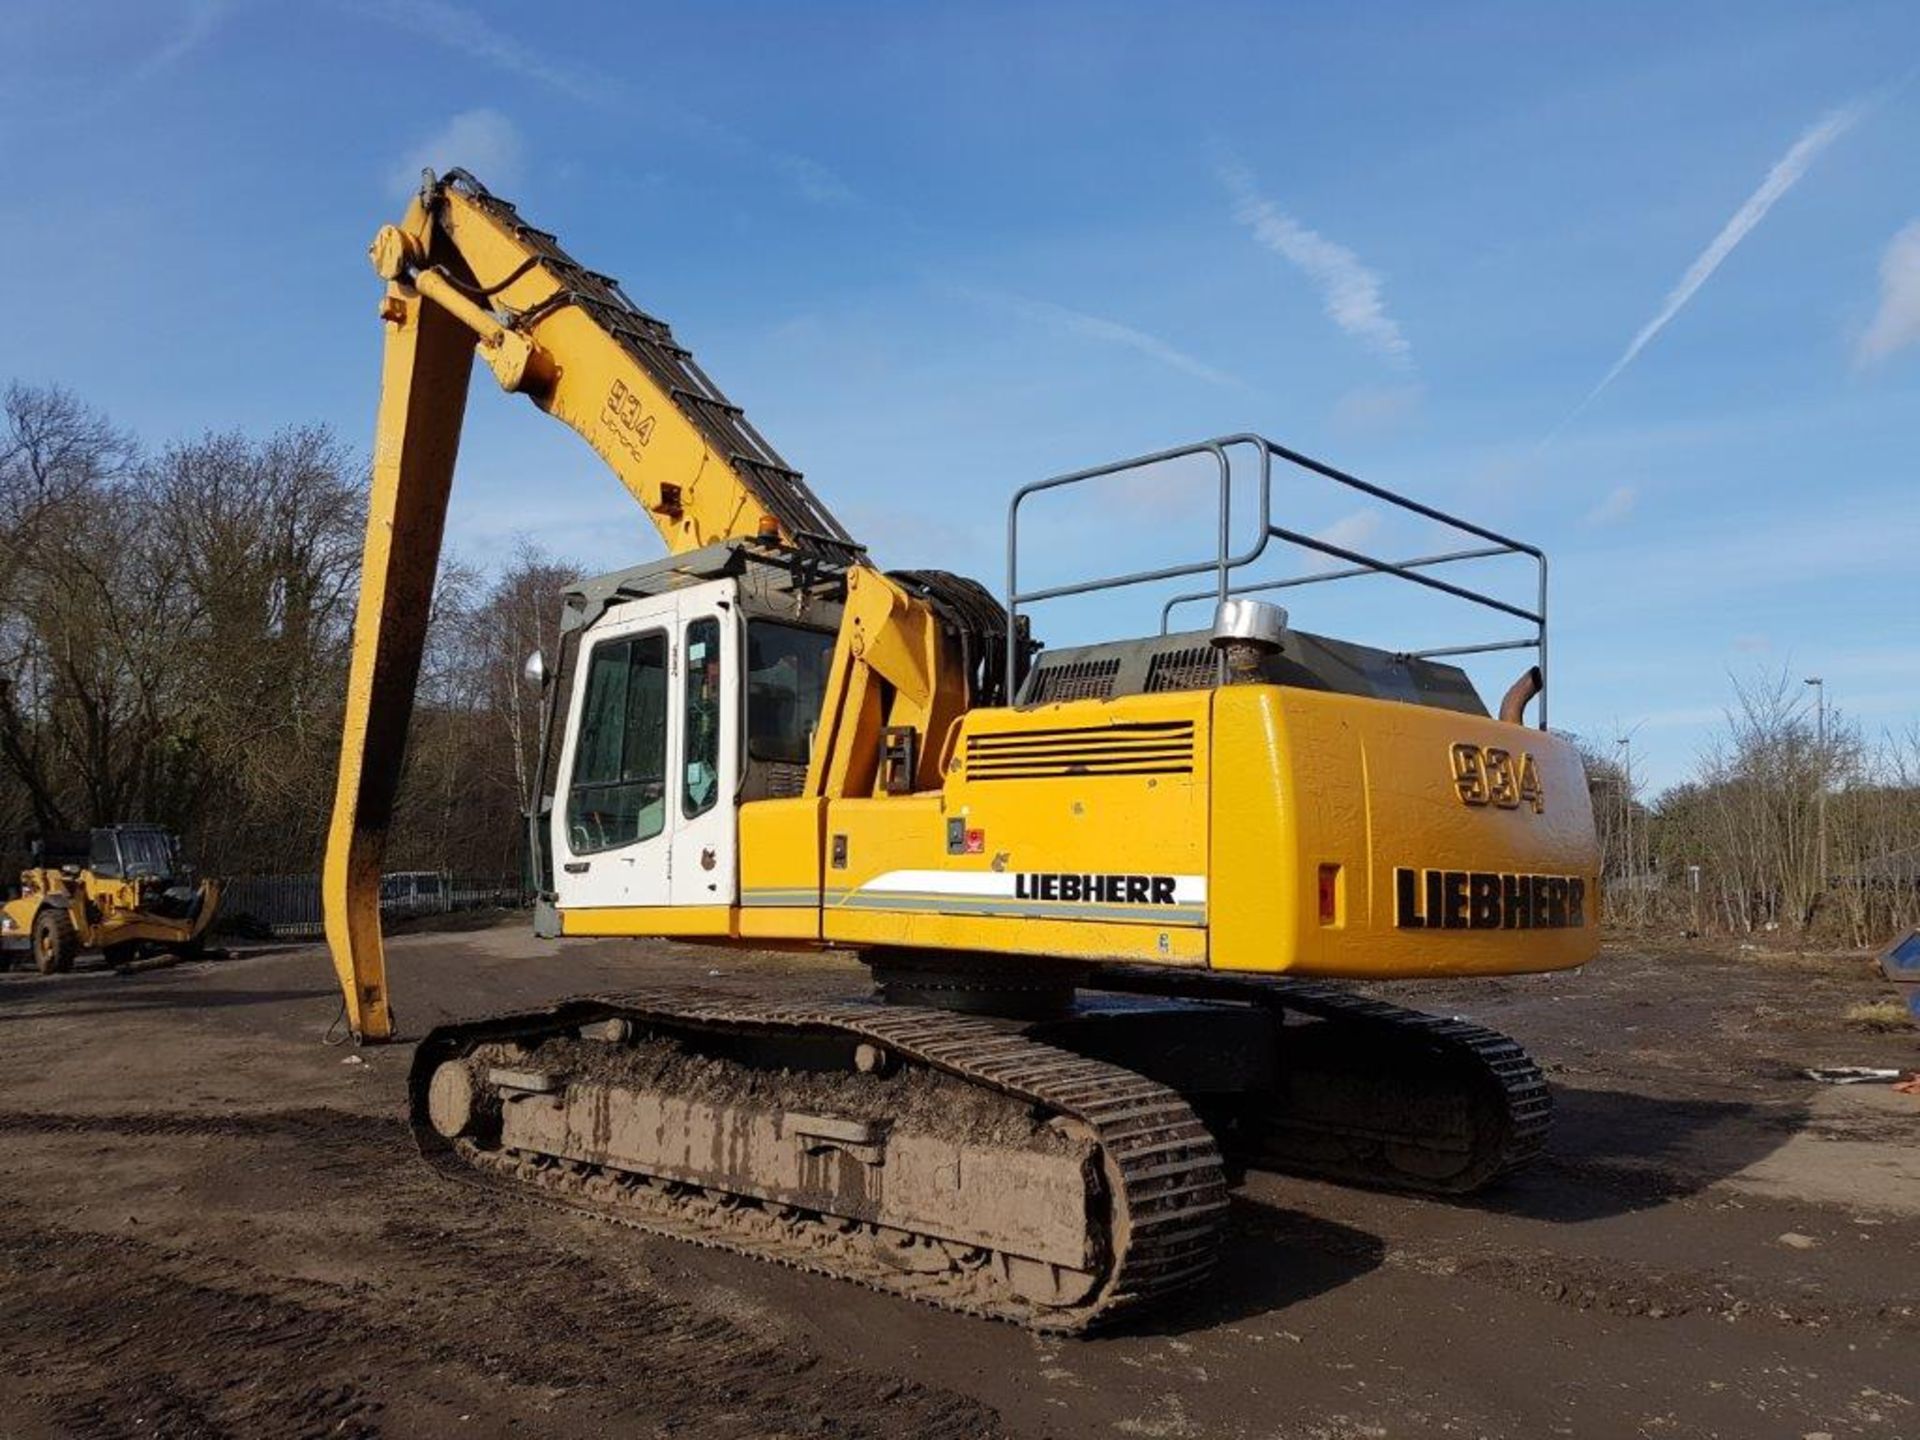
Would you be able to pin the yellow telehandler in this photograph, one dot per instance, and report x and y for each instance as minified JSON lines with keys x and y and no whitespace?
{"x":118,"y":889}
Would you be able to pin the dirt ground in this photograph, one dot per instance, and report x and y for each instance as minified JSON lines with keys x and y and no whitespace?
{"x":211,"y":1224}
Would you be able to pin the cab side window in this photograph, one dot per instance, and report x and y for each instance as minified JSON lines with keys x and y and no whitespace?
{"x":617,"y":793}
{"x":103,"y":855}
{"x":700,"y":748}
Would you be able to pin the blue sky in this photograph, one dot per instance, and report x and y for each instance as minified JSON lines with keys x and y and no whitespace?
{"x":939,"y":251}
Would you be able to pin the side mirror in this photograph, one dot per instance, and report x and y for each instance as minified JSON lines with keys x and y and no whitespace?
{"x":536,"y":670}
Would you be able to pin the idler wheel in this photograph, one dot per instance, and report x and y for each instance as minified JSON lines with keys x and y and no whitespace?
{"x":452,"y":1100}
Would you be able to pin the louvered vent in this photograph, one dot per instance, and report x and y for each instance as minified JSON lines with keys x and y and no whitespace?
{"x":1075,"y":680}
{"x":1158,"y":747}
{"x":1197,"y":668}
{"x":785,"y":779}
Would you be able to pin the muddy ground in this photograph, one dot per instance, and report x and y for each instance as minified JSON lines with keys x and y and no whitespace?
{"x":211,"y":1224}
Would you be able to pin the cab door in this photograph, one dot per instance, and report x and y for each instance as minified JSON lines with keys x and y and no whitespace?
{"x":705,"y":866}
{"x":613,"y":813}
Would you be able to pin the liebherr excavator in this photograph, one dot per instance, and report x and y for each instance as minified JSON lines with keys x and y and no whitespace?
{"x":1105,"y":891}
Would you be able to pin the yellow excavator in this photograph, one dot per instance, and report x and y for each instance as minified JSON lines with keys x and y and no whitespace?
{"x":1106,"y":891}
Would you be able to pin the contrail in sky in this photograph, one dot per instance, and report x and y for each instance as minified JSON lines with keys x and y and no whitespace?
{"x":1098,"y":327}
{"x":1351,"y":294}
{"x":1784,"y":175}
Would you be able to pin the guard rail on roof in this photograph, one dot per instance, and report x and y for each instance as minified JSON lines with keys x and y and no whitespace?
{"x":1223,"y":563}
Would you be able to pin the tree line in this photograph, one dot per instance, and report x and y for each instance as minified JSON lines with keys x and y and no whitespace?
{"x":175,"y":627}
{"x":1792,"y":823}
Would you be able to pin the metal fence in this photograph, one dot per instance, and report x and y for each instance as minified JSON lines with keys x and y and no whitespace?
{"x":288,"y":906}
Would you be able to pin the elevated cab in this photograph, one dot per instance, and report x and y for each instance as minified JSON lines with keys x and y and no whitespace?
{"x":684,"y":689}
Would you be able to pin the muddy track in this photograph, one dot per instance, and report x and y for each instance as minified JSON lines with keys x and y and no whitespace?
{"x":331,"y":1129}
{"x":685,"y":1353}
{"x":124,"y":1337}
{"x":1165,"y":1186}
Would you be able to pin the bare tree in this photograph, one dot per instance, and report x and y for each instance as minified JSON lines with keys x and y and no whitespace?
{"x":262,"y":541}
{"x":174,"y":630}
{"x":472,"y":755}
{"x":58,"y":461}
{"x":1749,"y":821}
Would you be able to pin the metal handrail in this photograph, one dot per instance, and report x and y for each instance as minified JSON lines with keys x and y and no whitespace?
{"x":1223,"y":563}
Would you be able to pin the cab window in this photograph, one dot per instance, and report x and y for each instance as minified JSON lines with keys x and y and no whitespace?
{"x":786,"y":681}
{"x":103,"y":857}
{"x":617,"y":794}
{"x":700,"y":766}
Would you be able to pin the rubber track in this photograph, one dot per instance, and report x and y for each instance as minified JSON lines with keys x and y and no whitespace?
{"x":1164,"y":1174}
{"x":1501,"y":1062}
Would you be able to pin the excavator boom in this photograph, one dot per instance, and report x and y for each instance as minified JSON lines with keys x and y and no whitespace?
{"x":465,"y":275}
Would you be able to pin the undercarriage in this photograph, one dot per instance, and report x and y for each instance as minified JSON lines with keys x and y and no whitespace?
{"x":1054,"y":1151}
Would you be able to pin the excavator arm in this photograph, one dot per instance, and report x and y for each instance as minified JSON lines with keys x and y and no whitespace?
{"x":466,"y":276}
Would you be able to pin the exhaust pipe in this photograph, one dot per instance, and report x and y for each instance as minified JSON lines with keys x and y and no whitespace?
{"x":1513,"y":705}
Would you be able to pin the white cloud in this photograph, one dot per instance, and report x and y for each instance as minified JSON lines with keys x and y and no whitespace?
{"x":1377,"y":409}
{"x":1852,"y":546}
{"x":483,"y":141}
{"x":1350,"y":532}
{"x":1349,"y":292}
{"x":1896,"y":324}
{"x":462,"y":30}
{"x":810,"y":178}
{"x":1106,"y":332}
{"x":1615,"y":508}
{"x":1784,"y":175}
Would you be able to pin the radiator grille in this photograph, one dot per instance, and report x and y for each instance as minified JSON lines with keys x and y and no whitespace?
{"x":1075,"y":680}
{"x":1196,"y":668}
{"x":1157,"y":747}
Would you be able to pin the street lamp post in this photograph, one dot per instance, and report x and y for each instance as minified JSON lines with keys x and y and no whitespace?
{"x":1625,"y":742}
{"x":1820,"y":796}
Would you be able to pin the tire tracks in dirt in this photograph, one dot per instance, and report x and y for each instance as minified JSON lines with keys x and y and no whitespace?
{"x":480,"y":1310}
{"x":1614,"y":1287}
{"x":1635,"y":1291}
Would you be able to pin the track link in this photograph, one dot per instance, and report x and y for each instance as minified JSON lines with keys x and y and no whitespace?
{"x":1405,"y":1100}
{"x":1163,"y":1179}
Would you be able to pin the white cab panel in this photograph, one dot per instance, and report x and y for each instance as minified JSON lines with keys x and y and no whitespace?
{"x":643,"y":811}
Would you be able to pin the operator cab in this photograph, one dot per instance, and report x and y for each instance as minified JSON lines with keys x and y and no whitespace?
{"x":683,"y":688}
{"x":136,"y":852}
